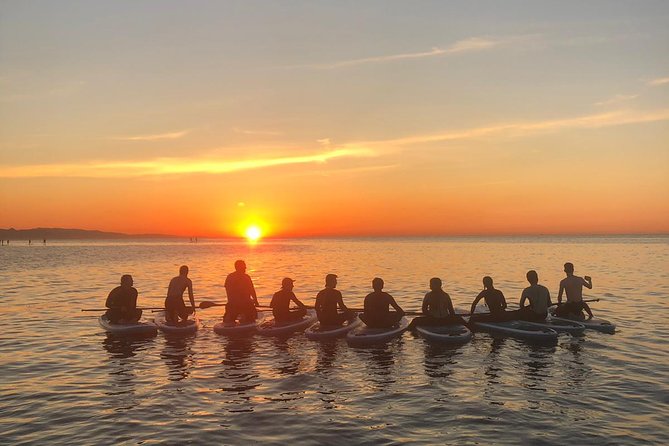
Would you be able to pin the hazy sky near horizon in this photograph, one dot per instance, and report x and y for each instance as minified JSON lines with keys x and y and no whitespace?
{"x":335,"y":118}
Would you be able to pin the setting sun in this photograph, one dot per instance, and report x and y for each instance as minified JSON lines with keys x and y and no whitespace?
{"x":253,"y":233}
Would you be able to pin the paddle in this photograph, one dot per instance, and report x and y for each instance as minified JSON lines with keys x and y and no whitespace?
{"x":562,"y":303}
{"x":138,"y":308}
{"x":208,"y":304}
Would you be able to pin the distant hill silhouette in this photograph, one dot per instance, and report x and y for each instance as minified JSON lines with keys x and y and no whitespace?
{"x":69,"y":234}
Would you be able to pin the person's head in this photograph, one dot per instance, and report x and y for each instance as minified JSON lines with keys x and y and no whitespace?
{"x":240,"y":266}
{"x":331,"y":281}
{"x":126,"y":280}
{"x":287,"y":284}
{"x":435,"y":283}
{"x":532,"y":277}
{"x":487,"y":282}
{"x":569,"y":268}
{"x":377,"y":284}
{"x":183,"y":271}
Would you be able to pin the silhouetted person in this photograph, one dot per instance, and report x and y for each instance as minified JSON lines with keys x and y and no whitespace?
{"x":44,"y":241}
{"x":377,"y":308}
{"x":242,"y":298}
{"x":539,"y":300}
{"x":437,"y":308}
{"x":327,"y":302}
{"x":495,"y":301}
{"x":281,"y":300}
{"x":175,"y":307}
{"x":30,"y":242}
{"x":122,"y":303}
{"x":573,"y":286}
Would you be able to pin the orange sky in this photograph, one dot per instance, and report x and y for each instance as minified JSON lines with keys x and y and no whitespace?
{"x":414,"y":122}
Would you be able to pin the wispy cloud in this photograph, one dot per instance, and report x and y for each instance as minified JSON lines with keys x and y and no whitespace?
{"x":521,"y":129}
{"x":473,"y":44}
{"x":257,"y":132}
{"x":156,"y":137}
{"x":617,"y":99}
{"x":172,"y":166}
{"x":658,"y":81}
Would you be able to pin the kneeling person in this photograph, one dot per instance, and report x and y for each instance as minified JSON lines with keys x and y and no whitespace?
{"x":539,"y":298}
{"x":280,"y":303}
{"x":327,"y":302}
{"x":377,"y":308}
{"x":122,"y":303}
{"x":175,"y":308}
{"x":437,"y":308}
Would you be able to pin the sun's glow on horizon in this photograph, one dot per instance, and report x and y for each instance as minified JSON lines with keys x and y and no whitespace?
{"x":253,"y":233}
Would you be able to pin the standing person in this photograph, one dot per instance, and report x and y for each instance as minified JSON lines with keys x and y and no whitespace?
{"x":573,"y":286}
{"x":281,"y":300}
{"x":327,"y":302}
{"x":539,"y":300}
{"x":495,"y":301}
{"x":377,"y":308}
{"x":175,"y":308}
{"x":242,"y":298}
{"x":437,"y":308}
{"x":122,"y":303}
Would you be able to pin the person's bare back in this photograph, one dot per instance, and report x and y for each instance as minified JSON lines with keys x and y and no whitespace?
{"x":178,"y":285}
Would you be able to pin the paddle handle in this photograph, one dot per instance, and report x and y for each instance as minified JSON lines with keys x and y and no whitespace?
{"x":562,"y":303}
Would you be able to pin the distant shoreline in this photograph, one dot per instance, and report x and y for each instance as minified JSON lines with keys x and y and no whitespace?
{"x":39,"y":234}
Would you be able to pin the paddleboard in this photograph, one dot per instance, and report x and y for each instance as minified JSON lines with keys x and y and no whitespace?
{"x":189,"y":327}
{"x":319,"y":332}
{"x":135,"y":328}
{"x":363,"y":334}
{"x":560,"y":325}
{"x":593,"y":324}
{"x":518,"y":329}
{"x":449,"y":334}
{"x":237,"y":328}
{"x":269,"y":327}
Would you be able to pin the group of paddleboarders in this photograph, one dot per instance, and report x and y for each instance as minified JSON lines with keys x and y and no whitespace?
{"x":437,"y":307}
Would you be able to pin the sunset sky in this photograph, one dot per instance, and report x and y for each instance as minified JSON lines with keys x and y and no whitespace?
{"x":335,"y":118}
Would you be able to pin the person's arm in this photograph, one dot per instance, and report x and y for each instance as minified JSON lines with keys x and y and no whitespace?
{"x":190,"y":294}
{"x":503,"y":300}
{"x":253,"y":293}
{"x":340,"y":303}
{"x":548,"y":294}
{"x":587,"y":282}
{"x":318,"y":305}
{"x":426,"y":303}
{"x":449,"y":302}
{"x":110,"y":300}
{"x":560,"y":292}
{"x":476,"y":301}
{"x":297,"y":301}
{"x":523,"y":298}
{"x":133,"y":299}
{"x":395,"y":305}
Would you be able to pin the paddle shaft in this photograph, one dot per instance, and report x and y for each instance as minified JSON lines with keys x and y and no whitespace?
{"x":138,"y":308}
{"x":562,"y":303}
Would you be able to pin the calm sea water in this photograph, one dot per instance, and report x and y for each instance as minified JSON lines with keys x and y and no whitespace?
{"x":63,"y":380}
